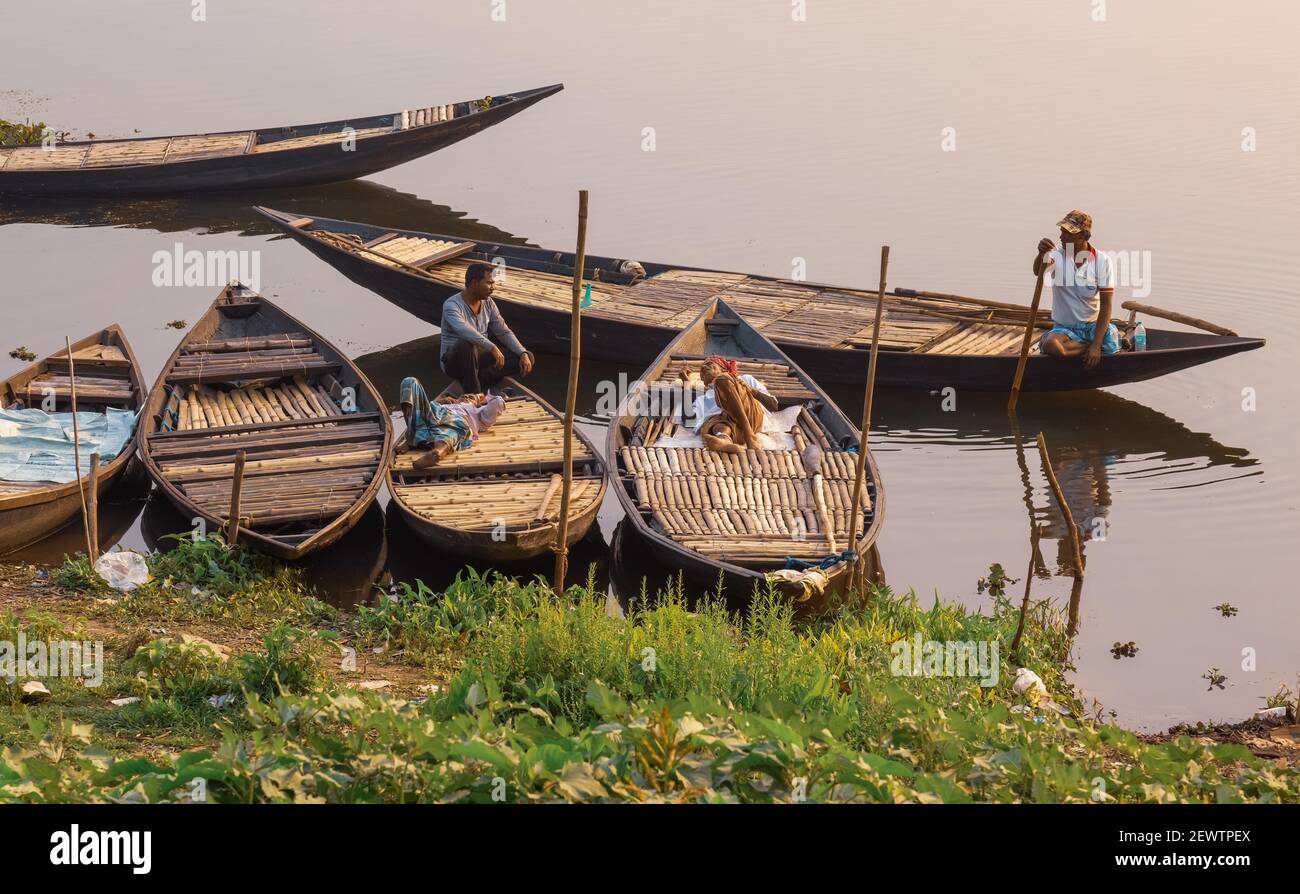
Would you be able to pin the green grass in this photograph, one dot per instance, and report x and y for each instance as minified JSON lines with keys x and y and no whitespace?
{"x":555,"y":698}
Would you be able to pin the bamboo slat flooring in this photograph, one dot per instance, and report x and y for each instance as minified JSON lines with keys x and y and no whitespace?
{"x":323,"y":139}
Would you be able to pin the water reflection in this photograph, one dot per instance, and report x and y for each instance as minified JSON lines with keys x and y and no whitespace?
{"x":231,"y":212}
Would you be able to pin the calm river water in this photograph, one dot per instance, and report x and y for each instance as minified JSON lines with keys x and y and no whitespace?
{"x":1173,"y":123}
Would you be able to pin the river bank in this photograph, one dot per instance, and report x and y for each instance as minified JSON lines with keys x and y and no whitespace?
{"x":224,"y":678}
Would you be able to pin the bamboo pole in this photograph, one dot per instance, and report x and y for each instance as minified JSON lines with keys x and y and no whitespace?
{"x":1029,"y":579}
{"x":863,"y":444}
{"x":1029,"y":335}
{"x":92,"y":510}
{"x":236,"y":489}
{"x":561,"y":546}
{"x":1075,"y":544}
{"x":1133,"y":307}
{"x":76,"y":449}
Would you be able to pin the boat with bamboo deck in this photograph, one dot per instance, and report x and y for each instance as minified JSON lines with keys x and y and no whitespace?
{"x":499,"y":499}
{"x":742,"y":515}
{"x":927,"y":339}
{"x":107,"y":375}
{"x":294,"y":155}
{"x":315,"y":434}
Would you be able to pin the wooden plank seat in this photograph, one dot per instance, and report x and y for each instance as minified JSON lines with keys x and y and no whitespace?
{"x":89,"y":388}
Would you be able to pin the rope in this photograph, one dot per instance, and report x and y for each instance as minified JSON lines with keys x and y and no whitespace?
{"x":830,"y":561}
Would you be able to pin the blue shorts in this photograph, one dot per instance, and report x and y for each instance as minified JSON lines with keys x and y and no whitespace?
{"x":1085,"y":332}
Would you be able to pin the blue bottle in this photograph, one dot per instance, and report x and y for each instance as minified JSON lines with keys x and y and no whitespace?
{"x":1140,"y":337}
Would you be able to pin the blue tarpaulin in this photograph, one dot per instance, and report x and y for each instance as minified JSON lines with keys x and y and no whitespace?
{"x":37,"y":446}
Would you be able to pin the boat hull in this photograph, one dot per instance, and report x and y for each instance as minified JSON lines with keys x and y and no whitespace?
{"x":547,"y":331}
{"x":28,"y":518}
{"x":305,"y":166}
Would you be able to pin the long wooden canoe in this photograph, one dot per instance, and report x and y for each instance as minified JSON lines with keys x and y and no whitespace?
{"x":740,"y":515}
{"x":107,"y":375}
{"x":499,"y":499}
{"x":315,"y":433}
{"x":295,"y":155}
{"x":927,"y":341}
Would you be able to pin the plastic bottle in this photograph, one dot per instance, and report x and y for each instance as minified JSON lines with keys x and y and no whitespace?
{"x":1140,"y":337}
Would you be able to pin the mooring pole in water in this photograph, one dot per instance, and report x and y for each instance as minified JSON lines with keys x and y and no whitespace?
{"x":1029,"y":336}
{"x":236,"y":491}
{"x":561,"y":545}
{"x":1075,"y":545}
{"x":92,"y":510}
{"x":1029,"y":579}
{"x":76,"y":451}
{"x":855,"y":573}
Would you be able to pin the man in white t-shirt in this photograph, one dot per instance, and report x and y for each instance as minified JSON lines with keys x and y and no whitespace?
{"x":1083,"y":292}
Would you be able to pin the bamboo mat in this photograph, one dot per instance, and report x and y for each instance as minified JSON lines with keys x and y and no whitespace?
{"x":323,"y":139}
{"x":784,"y":311}
{"x":758,"y":506}
{"x":307,"y":461}
{"x":524,"y":433}
{"x":478,"y":504}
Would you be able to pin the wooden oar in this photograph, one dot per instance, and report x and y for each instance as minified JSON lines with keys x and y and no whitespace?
{"x":854,"y":572}
{"x":76,"y":453}
{"x":1028,"y":339}
{"x":561,"y":545}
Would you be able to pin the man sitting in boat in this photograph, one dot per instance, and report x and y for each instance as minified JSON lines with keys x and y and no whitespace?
{"x":470,"y":323}
{"x":731,"y":409}
{"x":447,"y":425}
{"x":1083,"y":291}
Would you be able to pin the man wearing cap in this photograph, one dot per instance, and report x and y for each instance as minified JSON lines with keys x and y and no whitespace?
{"x":1083,"y":292}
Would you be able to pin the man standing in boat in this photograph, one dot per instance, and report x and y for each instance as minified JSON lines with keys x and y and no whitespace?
{"x":1083,"y":293}
{"x":473,"y":333}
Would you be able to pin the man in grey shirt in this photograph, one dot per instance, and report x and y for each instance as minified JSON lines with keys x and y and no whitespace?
{"x":473,"y":333}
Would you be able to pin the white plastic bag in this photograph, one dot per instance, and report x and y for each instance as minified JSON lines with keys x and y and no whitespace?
{"x":124,"y":570}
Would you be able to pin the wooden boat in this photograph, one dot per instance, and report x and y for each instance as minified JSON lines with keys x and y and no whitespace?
{"x":499,"y":499}
{"x":928,"y":339}
{"x":107,"y":375}
{"x":315,"y":433}
{"x":740,"y":515}
{"x":295,"y":155}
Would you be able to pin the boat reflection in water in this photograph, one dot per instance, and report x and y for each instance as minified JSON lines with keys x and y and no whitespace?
{"x":346,"y":574}
{"x":232,"y":212}
{"x":1103,"y":449}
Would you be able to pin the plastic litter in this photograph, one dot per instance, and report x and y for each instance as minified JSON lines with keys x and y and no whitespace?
{"x":124,"y":570}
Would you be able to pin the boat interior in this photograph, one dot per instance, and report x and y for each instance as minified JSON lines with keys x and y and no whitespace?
{"x":510,"y":476}
{"x":783,"y":310}
{"x":246,"y":380}
{"x":756,"y":508}
{"x":104,"y":379}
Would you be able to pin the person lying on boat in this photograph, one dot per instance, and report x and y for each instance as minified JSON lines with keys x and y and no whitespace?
{"x":731,"y":409}
{"x":1083,"y":292}
{"x":472,"y":327}
{"x":444,"y":426}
